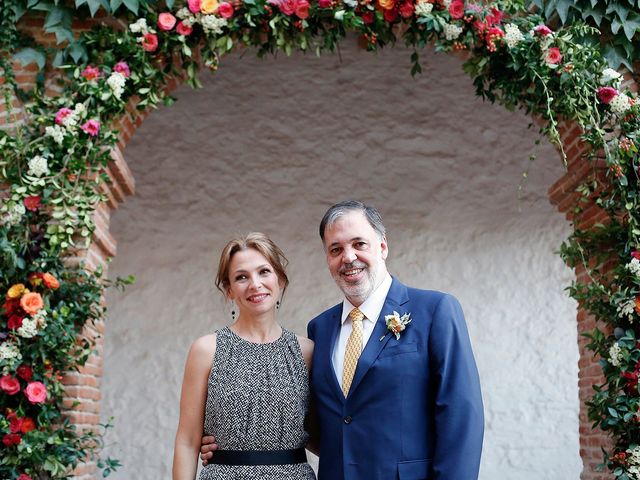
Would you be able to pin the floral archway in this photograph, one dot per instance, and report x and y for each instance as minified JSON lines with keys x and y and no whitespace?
{"x":54,"y":163}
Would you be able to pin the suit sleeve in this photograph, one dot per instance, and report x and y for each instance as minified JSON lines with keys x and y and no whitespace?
{"x":459,"y":418}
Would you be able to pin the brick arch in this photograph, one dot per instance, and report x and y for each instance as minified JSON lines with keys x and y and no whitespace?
{"x":83,"y":395}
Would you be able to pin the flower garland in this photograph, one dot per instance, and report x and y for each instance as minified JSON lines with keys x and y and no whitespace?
{"x":55,"y":163}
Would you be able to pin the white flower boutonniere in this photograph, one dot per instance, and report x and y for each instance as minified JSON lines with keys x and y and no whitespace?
{"x":396,"y":323}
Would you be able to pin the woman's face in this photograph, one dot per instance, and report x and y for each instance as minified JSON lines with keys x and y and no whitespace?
{"x":253,"y":283}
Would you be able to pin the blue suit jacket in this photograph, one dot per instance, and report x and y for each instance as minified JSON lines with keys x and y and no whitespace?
{"x":414,"y":410}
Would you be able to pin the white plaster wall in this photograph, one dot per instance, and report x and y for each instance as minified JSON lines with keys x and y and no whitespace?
{"x":268,"y":145}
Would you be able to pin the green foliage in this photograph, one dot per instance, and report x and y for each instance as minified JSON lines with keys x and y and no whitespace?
{"x":619,"y":22}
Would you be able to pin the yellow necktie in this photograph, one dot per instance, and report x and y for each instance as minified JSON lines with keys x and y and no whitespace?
{"x":353,"y":350}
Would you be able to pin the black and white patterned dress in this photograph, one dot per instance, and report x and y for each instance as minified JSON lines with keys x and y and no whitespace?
{"x":257,"y":398}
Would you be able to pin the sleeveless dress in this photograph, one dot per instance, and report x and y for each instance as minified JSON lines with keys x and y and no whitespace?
{"x":257,"y":398}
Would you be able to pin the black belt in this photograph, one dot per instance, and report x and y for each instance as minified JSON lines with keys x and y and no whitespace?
{"x":258,"y":457}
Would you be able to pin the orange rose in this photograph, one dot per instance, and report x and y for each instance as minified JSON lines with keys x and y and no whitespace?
{"x":387,"y":4}
{"x":209,"y":6}
{"x":16,"y":290}
{"x":50,"y":281}
{"x":31,"y":303}
{"x":637,"y":305}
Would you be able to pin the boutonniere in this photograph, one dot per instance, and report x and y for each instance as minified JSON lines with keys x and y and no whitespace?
{"x":396,"y":323}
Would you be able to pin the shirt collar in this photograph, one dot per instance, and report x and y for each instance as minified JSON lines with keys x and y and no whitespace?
{"x":372,"y":306}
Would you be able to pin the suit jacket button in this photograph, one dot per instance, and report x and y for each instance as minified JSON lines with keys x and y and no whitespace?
{"x":347,"y":420}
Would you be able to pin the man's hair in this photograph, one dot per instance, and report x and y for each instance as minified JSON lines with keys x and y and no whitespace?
{"x":339,"y":209}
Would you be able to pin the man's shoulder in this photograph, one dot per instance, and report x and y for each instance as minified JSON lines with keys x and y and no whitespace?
{"x":432,"y":298}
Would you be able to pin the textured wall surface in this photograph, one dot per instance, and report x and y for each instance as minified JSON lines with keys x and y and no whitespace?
{"x":268,"y":145}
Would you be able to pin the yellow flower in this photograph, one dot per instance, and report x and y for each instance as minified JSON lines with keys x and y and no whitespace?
{"x":16,"y":290}
{"x":209,"y":6}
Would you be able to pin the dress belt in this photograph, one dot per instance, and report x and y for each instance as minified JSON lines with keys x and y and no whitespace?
{"x":259,"y":457}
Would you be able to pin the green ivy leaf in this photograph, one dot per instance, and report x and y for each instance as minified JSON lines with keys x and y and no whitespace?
{"x":562,"y":8}
{"x":30,"y":55}
{"x":620,"y":10}
{"x":132,"y":5}
{"x":631,"y":25}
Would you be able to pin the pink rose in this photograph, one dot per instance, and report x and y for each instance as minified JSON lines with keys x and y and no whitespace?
{"x":194,"y":6}
{"x":606,"y":94}
{"x":456,"y":9}
{"x":325,"y":4}
{"x":36,"y":392}
{"x":150,"y":42}
{"x":553,"y":56}
{"x":636,"y":254}
{"x":288,"y":7}
{"x":302,"y":9}
{"x":91,"y":127}
{"x":32,"y":203}
{"x":225,"y":10}
{"x":543,"y":30}
{"x":406,"y":9}
{"x":123,"y":68}
{"x":90,"y":73}
{"x":63,"y":113}
{"x":183,"y":29}
{"x":9,"y":384}
{"x":166,"y":21}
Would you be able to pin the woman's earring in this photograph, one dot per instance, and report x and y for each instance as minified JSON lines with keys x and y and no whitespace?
{"x":233,"y":312}
{"x":277,"y":304}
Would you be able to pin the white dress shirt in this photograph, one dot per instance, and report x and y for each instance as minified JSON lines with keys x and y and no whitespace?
{"x":371,"y":308}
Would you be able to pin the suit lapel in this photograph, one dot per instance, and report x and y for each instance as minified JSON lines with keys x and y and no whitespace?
{"x":330,"y":373}
{"x":396,"y":297}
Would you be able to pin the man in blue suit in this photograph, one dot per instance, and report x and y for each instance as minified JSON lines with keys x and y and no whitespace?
{"x":394,"y":382}
{"x":413,"y":409}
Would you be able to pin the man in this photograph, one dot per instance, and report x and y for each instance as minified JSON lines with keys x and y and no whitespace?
{"x":395,"y":385}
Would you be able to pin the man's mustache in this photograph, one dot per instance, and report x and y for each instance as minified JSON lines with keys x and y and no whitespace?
{"x":351,"y":266}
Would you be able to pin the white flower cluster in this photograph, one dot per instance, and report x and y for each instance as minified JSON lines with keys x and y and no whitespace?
{"x":350,"y":3}
{"x":626,"y":310}
{"x":140,"y":26}
{"x":634,"y":462}
{"x":446,"y":3}
{"x":451,"y":32}
{"x":610,"y":75}
{"x":28,"y":329}
{"x":634,"y":267}
{"x":423,"y":8}
{"x":615,"y":354}
{"x":41,"y":319}
{"x":512,"y":35}
{"x":38,"y":166}
{"x":9,"y":351}
{"x":620,"y":104}
{"x":13,"y":213}
{"x":213,"y":24}
{"x":56,"y":132}
{"x":116,"y":82}
{"x":184,"y":14}
{"x":634,"y":472}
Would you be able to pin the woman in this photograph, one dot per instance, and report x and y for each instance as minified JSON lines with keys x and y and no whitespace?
{"x":254,"y":396}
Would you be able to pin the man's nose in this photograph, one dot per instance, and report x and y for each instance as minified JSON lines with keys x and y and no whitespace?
{"x":348,"y":256}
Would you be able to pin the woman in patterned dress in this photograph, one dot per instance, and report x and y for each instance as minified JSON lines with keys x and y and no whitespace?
{"x":247,"y":383}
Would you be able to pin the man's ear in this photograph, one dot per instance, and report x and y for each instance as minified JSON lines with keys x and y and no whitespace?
{"x":384,"y":248}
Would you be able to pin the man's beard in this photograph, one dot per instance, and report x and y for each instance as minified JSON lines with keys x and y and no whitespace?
{"x":360,"y":291}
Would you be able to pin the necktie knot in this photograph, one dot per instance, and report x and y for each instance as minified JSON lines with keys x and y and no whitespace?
{"x":356,"y":315}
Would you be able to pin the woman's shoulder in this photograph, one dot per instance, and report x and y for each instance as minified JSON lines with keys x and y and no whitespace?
{"x":204,"y":346}
{"x":306,"y":347}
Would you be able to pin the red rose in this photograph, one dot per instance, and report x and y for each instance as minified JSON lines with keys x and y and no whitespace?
{"x":636,"y":254}
{"x":11,"y":439}
{"x":14,"y":322}
{"x":25,"y":372}
{"x":225,"y":10}
{"x":183,"y":29}
{"x":456,"y":9}
{"x":391,"y":15}
{"x":553,"y":56}
{"x":32,"y":203}
{"x":24,"y":476}
{"x":166,"y":21}
{"x":367,"y":18}
{"x":28,"y":425}
{"x":495,"y":17}
{"x":406,"y":9}
{"x":150,"y":42}
{"x":302,"y":9}
{"x":15,"y":423}
{"x":606,"y":94}
{"x":9,"y":384}
{"x":11,"y":306}
{"x":324,"y":3}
